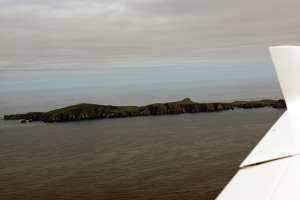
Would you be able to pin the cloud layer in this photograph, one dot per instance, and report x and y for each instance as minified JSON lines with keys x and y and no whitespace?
{"x":43,"y":34}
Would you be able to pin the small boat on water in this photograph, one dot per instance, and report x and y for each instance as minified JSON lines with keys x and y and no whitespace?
{"x":23,"y":121}
{"x":30,"y":120}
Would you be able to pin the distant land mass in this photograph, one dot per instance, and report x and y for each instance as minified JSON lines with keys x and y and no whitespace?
{"x":85,"y":111}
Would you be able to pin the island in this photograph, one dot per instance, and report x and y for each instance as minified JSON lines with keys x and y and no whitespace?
{"x":85,"y":111}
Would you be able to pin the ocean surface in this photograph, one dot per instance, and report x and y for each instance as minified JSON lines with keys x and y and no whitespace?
{"x":25,"y":91}
{"x":186,"y":156}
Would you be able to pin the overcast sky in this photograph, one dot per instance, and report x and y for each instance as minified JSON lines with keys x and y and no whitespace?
{"x":56,"y":34}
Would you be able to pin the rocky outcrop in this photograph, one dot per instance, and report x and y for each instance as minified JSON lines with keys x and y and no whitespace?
{"x":93,"y":111}
{"x":34,"y":116}
{"x":279,"y":104}
{"x":253,"y":105}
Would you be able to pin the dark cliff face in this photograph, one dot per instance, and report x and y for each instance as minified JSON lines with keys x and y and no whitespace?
{"x":92,"y":111}
{"x":279,"y":104}
{"x":185,"y":106}
{"x":35,"y":116}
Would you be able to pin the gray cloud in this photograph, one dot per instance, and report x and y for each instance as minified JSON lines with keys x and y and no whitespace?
{"x":42,"y":34}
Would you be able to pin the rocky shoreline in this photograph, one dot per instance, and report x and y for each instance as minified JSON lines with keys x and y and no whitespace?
{"x":86,"y":111}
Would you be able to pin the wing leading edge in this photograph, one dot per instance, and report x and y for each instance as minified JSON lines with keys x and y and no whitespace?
{"x":272,"y":169}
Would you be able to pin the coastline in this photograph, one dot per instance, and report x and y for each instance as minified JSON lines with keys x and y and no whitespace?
{"x":85,"y":111}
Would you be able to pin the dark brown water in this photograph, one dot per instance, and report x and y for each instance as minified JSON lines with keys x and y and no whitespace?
{"x":188,"y":156}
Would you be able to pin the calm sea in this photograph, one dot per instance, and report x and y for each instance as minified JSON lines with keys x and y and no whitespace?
{"x":187,"y":156}
{"x":25,"y":91}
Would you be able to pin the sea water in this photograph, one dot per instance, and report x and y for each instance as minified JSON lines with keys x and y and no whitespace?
{"x":186,"y":156}
{"x":41,"y":91}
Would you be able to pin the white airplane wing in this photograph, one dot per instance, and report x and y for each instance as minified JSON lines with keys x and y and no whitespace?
{"x":272,"y":170}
